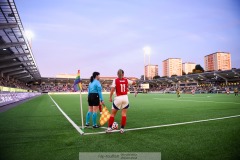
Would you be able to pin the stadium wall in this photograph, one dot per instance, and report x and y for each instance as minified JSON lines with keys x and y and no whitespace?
{"x":12,"y":97}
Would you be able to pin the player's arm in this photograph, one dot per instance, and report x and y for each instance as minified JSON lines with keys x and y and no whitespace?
{"x":131,"y":82}
{"x":112,"y":90}
{"x":88,"y":89}
{"x":99,"y":89}
{"x":111,"y":93}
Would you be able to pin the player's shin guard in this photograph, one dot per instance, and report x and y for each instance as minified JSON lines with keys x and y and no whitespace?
{"x":123,"y":122}
{"x":94,"y":117}
{"x":110,"y":122}
{"x":89,"y":114}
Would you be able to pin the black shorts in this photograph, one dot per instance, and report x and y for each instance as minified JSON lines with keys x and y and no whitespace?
{"x":93,"y":99}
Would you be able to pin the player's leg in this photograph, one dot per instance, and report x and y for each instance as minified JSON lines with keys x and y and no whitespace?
{"x":125,"y":105}
{"x":124,"y":120}
{"x":90,"y":110}
{"x":89,"y":115}
{"x":111,"y":120}
{"x":115,"y":107}
{"x":117,"y":104}
{"x":94,"y":101}
{"x":94,"y":116}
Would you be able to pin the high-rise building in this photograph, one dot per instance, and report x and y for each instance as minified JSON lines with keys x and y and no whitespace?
{"x":217,"y":61}
{"x":151,"y":71}
{"x":188,"y":67}
{"x":172,"y":66}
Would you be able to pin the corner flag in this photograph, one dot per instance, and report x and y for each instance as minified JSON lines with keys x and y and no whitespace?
{"x":105,"y":116}
{"x":77,"y":83}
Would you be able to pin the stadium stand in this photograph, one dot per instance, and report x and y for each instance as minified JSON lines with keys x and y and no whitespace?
{"x":16,"y":58}
{"x":18,"y":67}
{"x":14,"y":83}
{"x":207,"y":82}
{"x":51,"y":84}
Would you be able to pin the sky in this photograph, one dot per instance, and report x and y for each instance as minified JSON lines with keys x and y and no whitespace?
{"x":106,"y":35}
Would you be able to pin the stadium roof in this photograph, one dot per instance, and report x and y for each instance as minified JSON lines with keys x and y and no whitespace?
{"x":16,"y":57}
{"x":221,"y":76}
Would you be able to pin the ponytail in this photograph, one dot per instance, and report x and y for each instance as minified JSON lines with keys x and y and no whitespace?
{"x":91,"y":79}
{"x":94,"y":75}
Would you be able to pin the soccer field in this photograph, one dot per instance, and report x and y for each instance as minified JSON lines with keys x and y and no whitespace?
{"x":204,"y":126}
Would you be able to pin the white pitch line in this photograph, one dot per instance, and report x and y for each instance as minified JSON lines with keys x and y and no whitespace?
{"x":69,"y":119}
{"x":179,"y":100}
{"x":92,"y":128}
{"x":168,"y":125}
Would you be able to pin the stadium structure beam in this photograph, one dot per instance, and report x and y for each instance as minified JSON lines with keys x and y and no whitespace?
{"x":216,"y":74}
{"x":24,"y":77}
{"x":202,"y":76}
{"x":8,"y":25}
{"x":27,"y":61}
{"x":13,"y":56}
{"x":10,"y":65}
{"x":14,"y":44}
{"x":235,"y":72}
{"x":221,"y":77}
{"x":31,"y":65}
{"x":10,"y":70}
{"x":21,"y":75}
{"x":166,"y":80}
{"x":17,"y":72}
{"x":190,"y":78}
{"x":15,"y":64}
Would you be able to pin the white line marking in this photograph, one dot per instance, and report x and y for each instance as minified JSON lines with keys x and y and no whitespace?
{"x":168,"y":125}
{"x":179,"y":100}
{"x":90,"y":127}
{"x":69,"y":119}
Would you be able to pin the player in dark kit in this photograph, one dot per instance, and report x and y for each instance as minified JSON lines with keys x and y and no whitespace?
{"x":236,"y":91}
{"x":178,"y":92}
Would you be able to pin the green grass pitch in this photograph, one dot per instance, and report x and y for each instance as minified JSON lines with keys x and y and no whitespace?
{"x":38,"y":130}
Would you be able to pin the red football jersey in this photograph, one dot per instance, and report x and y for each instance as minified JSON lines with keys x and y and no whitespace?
{"x":121,"y":86}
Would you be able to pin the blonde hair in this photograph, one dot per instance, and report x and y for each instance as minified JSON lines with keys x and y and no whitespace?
{"x":120,"y":73}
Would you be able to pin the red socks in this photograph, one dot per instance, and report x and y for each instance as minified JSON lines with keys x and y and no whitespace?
{"x":100,"y":108}
{"x":124,"y":120}
{"x":110,"y":122}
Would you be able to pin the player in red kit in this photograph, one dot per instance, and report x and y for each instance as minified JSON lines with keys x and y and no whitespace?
{"x":120,"y":86}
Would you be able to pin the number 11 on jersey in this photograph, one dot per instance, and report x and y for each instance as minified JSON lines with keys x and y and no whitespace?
{"x":123,"y":87}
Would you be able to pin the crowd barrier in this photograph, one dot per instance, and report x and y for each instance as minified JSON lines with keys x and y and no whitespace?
{"x":12,"y":97}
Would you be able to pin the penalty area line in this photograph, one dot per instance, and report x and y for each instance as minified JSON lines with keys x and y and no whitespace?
{"x":168,"y":125}
{"x":69,"y":119}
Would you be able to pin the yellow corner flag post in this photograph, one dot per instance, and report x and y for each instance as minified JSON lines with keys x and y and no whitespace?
{"x":105,"y":116}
